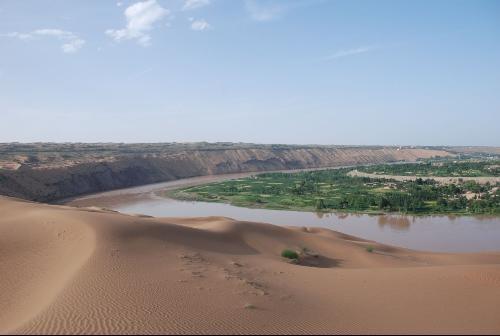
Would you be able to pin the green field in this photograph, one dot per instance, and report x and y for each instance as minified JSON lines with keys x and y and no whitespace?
{"x":334,"y":190}
{"x":490,"y":168}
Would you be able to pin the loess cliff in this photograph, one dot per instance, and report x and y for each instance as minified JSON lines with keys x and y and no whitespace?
{"x":48,"y":172}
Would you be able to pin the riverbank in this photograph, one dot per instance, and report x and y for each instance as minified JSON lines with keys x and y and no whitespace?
{"x":341,"y":190}
{"x":187,"y":197}
{"x":446,"y":233}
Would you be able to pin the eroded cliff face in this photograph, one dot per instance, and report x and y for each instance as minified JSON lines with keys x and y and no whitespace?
{"x":127,"y":170}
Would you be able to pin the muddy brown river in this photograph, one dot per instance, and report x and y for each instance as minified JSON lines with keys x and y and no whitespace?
{"x":430,"y":233}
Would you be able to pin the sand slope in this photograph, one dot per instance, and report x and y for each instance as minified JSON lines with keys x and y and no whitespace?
{"x":67,"y":270}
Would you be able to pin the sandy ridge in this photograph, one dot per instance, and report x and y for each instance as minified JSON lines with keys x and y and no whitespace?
{"x":440,"y":179}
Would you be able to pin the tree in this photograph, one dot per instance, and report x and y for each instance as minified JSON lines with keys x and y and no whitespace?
{"x":320,"y":204}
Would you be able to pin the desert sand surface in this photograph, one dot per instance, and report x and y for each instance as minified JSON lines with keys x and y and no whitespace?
{"x":91,"y":270}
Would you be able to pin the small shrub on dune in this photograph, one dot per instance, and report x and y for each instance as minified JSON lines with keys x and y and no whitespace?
{"x":249,"y":306}
{"x":369,"y":249}
{"x":290,"y":254}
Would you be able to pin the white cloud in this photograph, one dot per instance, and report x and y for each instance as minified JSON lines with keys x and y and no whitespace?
{"x":21,"y":36}
{"x":200,"y":25}
{"x":264,"y":11}
{"x":269,"y":10}
{"x":72,"y":43}
{"x":141,"y":18}
{"x":119,"y":4}
{"x":73,"y":46}
{"x":55,"y":33}
{"x":348,"y":52}
{"x":194,"y":4}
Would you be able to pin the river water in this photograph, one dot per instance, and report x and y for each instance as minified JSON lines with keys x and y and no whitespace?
{"x":430,"y":233}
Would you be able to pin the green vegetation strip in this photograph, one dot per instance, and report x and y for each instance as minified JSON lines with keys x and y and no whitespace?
{"x":489,"y":168}
{"x":334,"y":190}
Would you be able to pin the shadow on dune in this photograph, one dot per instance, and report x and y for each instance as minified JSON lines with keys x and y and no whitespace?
{"x":320,"y":262}
{"x":220,"y":242}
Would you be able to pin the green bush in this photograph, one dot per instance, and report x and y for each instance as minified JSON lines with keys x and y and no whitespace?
{"x":289,"y":254}
{"x":369,"y":249}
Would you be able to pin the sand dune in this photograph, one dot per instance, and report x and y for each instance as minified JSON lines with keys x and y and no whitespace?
{"x":69,"y":270}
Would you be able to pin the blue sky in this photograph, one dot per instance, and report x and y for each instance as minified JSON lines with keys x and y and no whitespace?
{"x":265,"y":71}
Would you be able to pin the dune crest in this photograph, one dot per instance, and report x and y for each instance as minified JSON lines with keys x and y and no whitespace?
{"x":70,"y":270}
